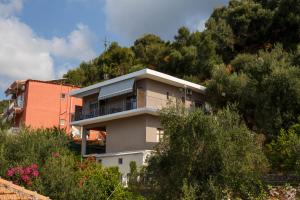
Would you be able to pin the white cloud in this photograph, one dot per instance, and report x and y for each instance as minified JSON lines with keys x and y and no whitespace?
{"x":24,"y":54}
{"x":78,"y":44}
{"x":132,"y":18}
{"x":21,"y":54}
{"x":10,"y":7}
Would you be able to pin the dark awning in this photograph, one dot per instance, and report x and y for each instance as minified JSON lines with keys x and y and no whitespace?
{"x":116,"y":89}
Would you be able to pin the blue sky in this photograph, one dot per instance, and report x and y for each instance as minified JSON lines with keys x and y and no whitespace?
{"x":42,"y":39}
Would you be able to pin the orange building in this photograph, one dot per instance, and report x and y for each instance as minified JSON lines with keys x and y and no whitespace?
{"x":41,"y":104}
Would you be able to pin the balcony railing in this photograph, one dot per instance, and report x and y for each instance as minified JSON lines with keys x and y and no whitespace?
{"x":102,"y":110}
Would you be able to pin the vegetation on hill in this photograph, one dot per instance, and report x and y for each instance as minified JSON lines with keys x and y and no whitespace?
{"x":249,"y":54}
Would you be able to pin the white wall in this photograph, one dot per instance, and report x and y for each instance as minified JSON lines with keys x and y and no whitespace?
{"x":124,"y":168}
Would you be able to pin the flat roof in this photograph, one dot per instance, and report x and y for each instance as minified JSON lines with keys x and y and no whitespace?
{"x":141,"y":74}
{"x":19,"y":83}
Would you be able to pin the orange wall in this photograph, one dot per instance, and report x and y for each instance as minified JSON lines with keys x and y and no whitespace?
{"x":44,"y":106}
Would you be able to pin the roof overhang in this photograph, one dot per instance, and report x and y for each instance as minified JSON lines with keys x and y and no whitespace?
{"x":142,"y":74}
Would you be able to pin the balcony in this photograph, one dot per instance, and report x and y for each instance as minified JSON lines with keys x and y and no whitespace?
{"x":16,"y":106}
{"x":102,"y":108}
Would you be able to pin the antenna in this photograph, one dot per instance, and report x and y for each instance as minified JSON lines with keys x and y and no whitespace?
{"x":106,"y":43}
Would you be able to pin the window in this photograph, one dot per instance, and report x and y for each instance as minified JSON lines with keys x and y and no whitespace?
{"x":198,"y":104}
{"x":62,"y":122}
{"x":168,"y":95}
{"x":120,"y":160}
{"x":93,"y":108}
{"x":159,"y":134}
{"x":62,"y":95}
{"x":183,"y":100}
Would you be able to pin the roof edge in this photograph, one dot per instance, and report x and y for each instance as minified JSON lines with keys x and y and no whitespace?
{"x":143,"y":72}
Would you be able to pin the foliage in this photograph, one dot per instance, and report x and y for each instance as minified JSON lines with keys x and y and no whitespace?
{"x":33,"y":146}
{"x":3,"y":105}
{"x":284,"y":151}
{"x":248,"y":52}
{"x":202,"y":155}
{"x":23,"y":175}
{"x":56,"y":171}
{"x":97,"y":182}
{"x":266,"y":87}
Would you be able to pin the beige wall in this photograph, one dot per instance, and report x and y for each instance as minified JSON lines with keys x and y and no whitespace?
{"x":152,"y":123}
{"x":126,"y":134}
{"x":156,"y":95}
{"x":130,"y":134}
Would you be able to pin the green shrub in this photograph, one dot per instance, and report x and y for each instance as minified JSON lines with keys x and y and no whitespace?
{"x":61,"y":174}
{"x":284,"y":151}
{"x":96,"y":182}
{"x":203,"y":155}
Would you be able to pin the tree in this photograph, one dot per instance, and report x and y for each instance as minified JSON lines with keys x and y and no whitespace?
{"x":3,"y":105}
{"x":266,"y":87}
{"x":149,"y":50}
{"x":205,"y":155}
{"x":284,"y":151}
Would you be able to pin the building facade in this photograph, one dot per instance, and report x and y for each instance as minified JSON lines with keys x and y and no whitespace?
{"x":41,"y":104}
{"x":127,"y":109}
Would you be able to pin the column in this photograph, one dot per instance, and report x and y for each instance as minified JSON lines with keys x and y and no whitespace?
{"x":83,"y":141}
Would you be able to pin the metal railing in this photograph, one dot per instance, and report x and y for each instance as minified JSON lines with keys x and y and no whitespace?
{"x":110,"y":108}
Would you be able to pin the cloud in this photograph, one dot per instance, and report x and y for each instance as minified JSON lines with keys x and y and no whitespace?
{"x":78,"y":44}
{"x":132,"y":18}
{"x":21,"y":53}
{"x":25,"y":55}
{"x":8,"y":8}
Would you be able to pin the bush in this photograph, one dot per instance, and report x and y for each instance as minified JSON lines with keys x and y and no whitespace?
{"x":57,"y":172}
{"x":96,"y":182}
{"x":205,"y":155}
{"x":284,"y":151}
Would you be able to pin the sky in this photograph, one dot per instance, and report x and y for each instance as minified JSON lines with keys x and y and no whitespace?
{"x":43,"y":39}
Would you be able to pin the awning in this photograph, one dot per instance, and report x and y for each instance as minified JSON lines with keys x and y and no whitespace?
{"x":116,"y":89}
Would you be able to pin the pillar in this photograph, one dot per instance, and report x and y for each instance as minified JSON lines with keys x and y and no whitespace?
{"x":83,"y":141}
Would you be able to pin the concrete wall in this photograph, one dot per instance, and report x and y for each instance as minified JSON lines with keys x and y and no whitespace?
{"x":45,"y":107}
{"x":124,"y":168}
{"x":126,"y":134}
{"x":112,"y":161}
{"x":152,"y":124}
{"x":156,"y":95}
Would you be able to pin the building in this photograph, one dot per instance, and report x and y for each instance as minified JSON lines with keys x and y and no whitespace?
{"x":126,"y":108}
{"x":40,"y":104}
{"x":10,"y":191}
